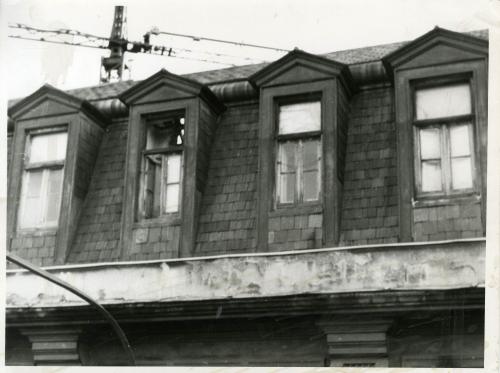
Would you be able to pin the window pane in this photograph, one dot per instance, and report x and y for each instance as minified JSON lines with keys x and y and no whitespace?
{"x":310,"y":154}
{"x":287,"y":152}
{"x":164,"y":131}
{"x":287,"y":184}
{"x":152,"y":186}
{"x":301,"y":117}
{"x":311,"y":186}
{"x":431,"y":176}
{"x":49,"y":147}
{"x":172,"y":198}
{"x":430,"y":147}
{"x":31,"y":208}
{"x":461,"y":173}
{"x":53,"y":195}
{"x":459,"y":140}
{"x":174,"y":168}
{"x":444,"y":101}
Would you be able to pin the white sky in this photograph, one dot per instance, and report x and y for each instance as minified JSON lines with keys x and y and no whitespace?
{"x":314,"y":26}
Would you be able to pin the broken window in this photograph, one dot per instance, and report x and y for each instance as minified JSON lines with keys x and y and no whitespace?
{"x":298,"y":176}
{"x":41,"y":190}
{"x":162,"y":165}
{"x":444,"y":140}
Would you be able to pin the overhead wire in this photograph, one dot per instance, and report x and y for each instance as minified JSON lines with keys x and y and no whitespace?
{"x":199,"y":38}
{"x":150,"y":48}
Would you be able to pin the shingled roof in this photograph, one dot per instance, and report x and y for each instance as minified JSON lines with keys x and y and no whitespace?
{"x":348,"y":57}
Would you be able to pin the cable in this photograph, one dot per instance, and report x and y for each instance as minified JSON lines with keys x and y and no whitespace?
{"x":154,"y":51}
{"x":137,"y":46}
{"x":198,"y":38}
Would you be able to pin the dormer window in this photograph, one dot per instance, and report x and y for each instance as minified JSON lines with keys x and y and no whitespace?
{"x":441,"y":106}
{"x":171,"y":124}
{"x":444,"y":140}
{"x":298,"y":176}
{"x":162,"y":165}
{"x":40,"y":203}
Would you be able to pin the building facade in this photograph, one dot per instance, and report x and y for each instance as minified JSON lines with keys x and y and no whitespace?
{"x":314,"y":211}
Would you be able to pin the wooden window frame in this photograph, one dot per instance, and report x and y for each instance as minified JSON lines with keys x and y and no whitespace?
{"x":29,"y":167}
{"x":20,"y":147}
{"x":299,"y":138}
{"x":475,"y":72}
{"x":444,"y":124}
{"x":164,"y":152}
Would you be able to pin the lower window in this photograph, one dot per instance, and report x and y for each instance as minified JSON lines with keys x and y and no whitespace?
{"x":298,"y":171}
{"x":446,"y":159}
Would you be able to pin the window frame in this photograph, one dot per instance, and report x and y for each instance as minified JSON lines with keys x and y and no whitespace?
{"x":164,"y":152}
{"x":444,"y":124}
{"x":299,"y":138}
{"x":29,"y":167}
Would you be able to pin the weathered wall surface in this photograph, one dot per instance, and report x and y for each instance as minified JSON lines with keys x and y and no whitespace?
{"x":240,"y":342}
{"x":226,"y":223}
{"x":402,"y":267}
{"x":370,"y":200}
{"x":98,"y":231}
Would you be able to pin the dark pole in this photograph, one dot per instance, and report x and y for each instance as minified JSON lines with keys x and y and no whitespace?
{"x":50,"y":277}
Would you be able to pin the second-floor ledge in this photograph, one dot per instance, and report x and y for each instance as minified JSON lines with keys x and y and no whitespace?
{"x":441,"y":265}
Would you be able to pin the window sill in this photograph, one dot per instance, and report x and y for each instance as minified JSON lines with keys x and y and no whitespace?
{"x":312,"y":208}
{"x":37,"y":231}
{"x":446,"y":200}
{"x":173,"y":219}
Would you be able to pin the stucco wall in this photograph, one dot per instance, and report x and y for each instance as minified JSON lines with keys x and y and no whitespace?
{"x":445,"y":265}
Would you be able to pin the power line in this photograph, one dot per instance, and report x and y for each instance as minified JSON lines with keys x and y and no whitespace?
{"x":95,"y":38}
{"x":95,"y":41}
{"x":199,"y":38}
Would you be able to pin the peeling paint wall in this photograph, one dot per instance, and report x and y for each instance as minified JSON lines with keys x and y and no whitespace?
{"x":403,"y":267}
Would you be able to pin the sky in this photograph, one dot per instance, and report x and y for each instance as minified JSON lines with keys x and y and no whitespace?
{"x":314,"y":26}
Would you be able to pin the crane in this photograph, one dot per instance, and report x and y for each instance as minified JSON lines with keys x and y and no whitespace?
{"x":113,"y":66}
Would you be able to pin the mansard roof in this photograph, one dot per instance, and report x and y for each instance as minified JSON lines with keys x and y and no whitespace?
{"x":349,"y":57}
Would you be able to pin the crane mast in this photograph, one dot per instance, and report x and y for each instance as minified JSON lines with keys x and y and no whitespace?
{"x":112,"y":66}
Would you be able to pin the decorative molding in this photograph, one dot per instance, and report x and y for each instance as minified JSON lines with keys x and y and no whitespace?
{"x":356,"y":341}
{"x":54,"y":346}
{"x":299,"y":66}
{"x":64,"y":104}
{"x":465,"y":46}
{"x":359,"y":303}
{"x":165,"y":86}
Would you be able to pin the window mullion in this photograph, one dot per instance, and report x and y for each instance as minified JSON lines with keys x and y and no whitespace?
{"x":445,"y":158}
{"x":299,"y":172}
{"x":44,"y":196}
{"x":163,"y":184}
{"x":472,"y":156}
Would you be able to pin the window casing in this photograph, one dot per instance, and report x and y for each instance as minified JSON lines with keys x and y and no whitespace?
{"x":162,"y":163}
{"x":42,"y":180}
{"x":444,"y":140}
{"x":298,"y":154}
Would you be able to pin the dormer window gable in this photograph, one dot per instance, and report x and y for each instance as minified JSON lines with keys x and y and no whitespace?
{"x":171,"y":123}
{"x":440,"y":88}
{"x":55,"y":143}
{"x":304,"y":104}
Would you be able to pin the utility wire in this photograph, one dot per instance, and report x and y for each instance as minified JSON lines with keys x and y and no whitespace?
{"x":90,"y":38}
{"x":199,"y":38}
{"x":155,"y":50}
